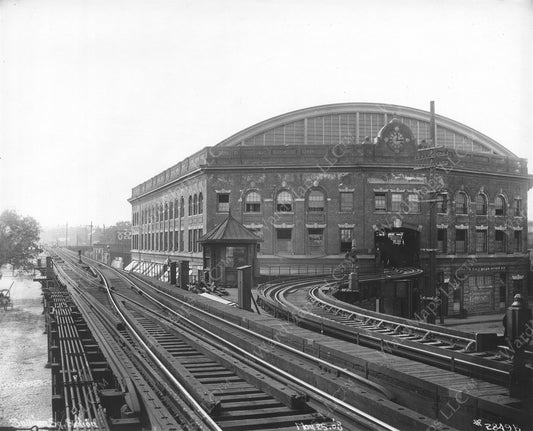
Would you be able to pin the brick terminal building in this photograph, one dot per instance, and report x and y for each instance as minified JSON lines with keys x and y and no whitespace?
{"x":400,"y":185}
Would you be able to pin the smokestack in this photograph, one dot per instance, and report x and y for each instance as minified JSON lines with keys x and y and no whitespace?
{"x":432,"y":125}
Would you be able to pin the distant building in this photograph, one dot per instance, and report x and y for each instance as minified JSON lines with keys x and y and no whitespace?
{"x":316,"y":182}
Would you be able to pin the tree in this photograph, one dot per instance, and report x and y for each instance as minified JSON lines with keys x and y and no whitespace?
{"x":18,"y":239}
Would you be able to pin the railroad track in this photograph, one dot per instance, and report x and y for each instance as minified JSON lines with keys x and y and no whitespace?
{"x":281,"y":401}
{"x":309,"y":304}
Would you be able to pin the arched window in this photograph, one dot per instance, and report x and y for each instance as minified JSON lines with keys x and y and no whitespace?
{"x":461,"y":203}
{"x":166,"y":210}
{"x":182,"y":207}
{"x":252,"y":202}
{"x":284,"y":202}
{"x":500,"y":205}
{"x":481,"y":204}
{"x":171,"y":210}
{"x":195,"y":204}
{"x":200,"y":203}
{"x":176,"y":208}
{"x":315,"y":201}
{"x":190,"y":206}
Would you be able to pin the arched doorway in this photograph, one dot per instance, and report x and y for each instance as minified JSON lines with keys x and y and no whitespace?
{"x":398,"y":246}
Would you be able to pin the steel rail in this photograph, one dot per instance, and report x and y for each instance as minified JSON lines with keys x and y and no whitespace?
{"x":105,"y":318}
{"x":360,"y":313}
{"x":349,"y":331}
{"x":274,"y":369}
{"x":190,"y":399}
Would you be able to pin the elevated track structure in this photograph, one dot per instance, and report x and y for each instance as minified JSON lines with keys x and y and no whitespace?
{"x":247,"y":371}
{"x":231,"y":377}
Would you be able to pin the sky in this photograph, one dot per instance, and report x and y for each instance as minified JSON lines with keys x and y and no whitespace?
{"x":98,"y":96}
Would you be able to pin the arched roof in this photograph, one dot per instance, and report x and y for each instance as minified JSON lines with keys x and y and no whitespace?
{"x":353,"y":122}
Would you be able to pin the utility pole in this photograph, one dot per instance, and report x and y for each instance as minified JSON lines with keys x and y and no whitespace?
{"x":432,"y":206}
{"x":66,"y":235}
{"x":91,"y":235}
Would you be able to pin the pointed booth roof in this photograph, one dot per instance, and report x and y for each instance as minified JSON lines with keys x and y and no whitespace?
{"x":229,"y":231}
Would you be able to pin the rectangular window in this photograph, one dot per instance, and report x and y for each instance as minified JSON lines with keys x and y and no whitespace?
{"x":481,"y":241}
{"x":517,"y":241}
{"x":518,"y":207}
{"x":284,"y":233}
{"x":182,"y":240}
{"x":461,"y":236}
{"x":346,"y":240}
{"x":499,"y":241}
{"x":200,"y":234}
{"x":176,"y":240}
{"x":414,"y":204}
{"x":223,"y":202}
{"x":346,"y":201}
{"x":380,"y":202}
{"x":189,"y":238}
{"x":195,"y":240}
{"x":396,"y":202}
{"x":442,"y":240}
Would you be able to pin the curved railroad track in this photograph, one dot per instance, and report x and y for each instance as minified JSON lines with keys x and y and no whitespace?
{"x":309,"y":304}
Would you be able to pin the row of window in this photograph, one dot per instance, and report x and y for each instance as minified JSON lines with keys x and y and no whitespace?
{"x":480,"y":204}
{"x":395,"y":202}
{"x":168,"y":241}
{"x":481,"y":241}
{"x":383,"y":202}
{"x":175,"y":241}
{"x":284,"y":202}
{"x":169,"y":210}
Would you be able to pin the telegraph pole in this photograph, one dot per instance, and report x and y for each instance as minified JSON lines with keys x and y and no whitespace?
{"x":432,"y":206}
